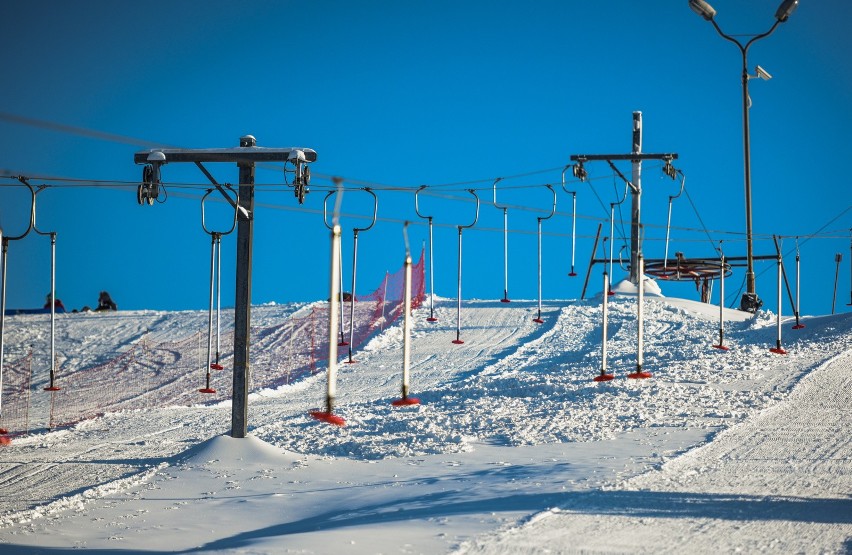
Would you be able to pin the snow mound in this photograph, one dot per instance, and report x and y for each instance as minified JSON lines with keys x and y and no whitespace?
{"x":227,"y":451}
{"x":627,"y":287}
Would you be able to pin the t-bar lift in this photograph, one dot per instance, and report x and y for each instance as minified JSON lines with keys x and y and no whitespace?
{"x":245,"y":156}
{"x":636,"y":157}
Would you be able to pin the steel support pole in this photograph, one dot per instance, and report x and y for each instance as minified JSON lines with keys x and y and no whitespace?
{"x":458,"y":339}
{"x":538,"y":319}
{"x":721,"y":344}
{"x":352,"y":294}
{"x":242,"y":294}
{"x":778,"y":349}
{"x":505,"y":298}
{"x":837,"y":259}
{"x":798,"y":325}
{"x":431,"y":317}
{"x":636,"y":208}
{"x":52,"y":385}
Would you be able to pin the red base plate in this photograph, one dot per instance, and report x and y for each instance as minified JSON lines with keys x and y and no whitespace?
{"x":328,"y":417}
{"x":4,"y":431}
{"x":505,"y":301}
{"x":431,"y":319}
{"x":604,"y":378}
{"x":538,"y":320}
{"x":722,"y":347}
{"x":639,"y":375}
{"x":343,"y":344}
{"x":458,"y":341}
{"x":353,"y":361}
{"x":406,"y":401}
{"x":5,"y":440}
{"x":207,"y":390}
{"x":798,"y":326}
{"x":215,"y":366}
{"x":54,"y":388}
{"x":573,"y":274}
{"x":611,"y":293}
{"x":778,"y":351}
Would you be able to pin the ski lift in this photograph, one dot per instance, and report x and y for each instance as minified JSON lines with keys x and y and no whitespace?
{"x":505,"y":210}
{"x":4,"y":251}
{"x":538,"y":320}
{"x":215,"y":284}
{"x":355,"y":231}
{"x":458,"y":339}
{"x":580,"y":173}
{"x":52,"y":234}
{"x":431,"y":317}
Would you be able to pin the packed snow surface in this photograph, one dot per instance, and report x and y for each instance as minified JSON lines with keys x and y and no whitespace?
{"x":513,"y":448}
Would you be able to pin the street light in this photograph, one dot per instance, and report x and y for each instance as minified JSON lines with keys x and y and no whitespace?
{"x":750,"y":301}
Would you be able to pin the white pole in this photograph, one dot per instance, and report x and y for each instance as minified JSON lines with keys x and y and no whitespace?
{"x":333,"y":323}
{"x":603,"y":376}
{"x":406,"y":328}
{"x":778,"y":349}
{"x":640,"y":373}
{"x":333,"y":319}
{"x":721,"y":344}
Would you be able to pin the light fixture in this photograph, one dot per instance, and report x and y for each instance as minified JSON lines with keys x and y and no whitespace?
{"x":762,"y":73}
{"x":786,"y":8}
{"x":705,"y":10}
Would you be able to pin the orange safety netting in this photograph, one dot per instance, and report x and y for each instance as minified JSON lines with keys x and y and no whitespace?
{"x":171,"y":373}
{"x":14,"y":412}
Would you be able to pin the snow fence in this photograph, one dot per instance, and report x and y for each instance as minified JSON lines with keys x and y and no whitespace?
{"x":171,"y":373}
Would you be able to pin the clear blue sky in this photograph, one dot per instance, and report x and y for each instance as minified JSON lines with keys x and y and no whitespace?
{"x":403,"y":94}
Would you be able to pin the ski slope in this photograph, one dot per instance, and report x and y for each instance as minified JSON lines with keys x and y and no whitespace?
{"x":513,"y":449}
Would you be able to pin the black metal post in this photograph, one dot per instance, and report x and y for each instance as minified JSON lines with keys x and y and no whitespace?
{"x":242,"y":301}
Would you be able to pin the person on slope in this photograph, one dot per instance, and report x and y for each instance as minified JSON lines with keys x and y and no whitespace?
{"x":57,"y":304}
{"x":105,"y":302}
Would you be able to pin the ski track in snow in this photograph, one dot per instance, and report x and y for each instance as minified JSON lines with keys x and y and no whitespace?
{"x":778,"y":482}
{"x":515,"y":385}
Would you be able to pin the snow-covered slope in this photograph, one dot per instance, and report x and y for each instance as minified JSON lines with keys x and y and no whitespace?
{"x":511,"y":429}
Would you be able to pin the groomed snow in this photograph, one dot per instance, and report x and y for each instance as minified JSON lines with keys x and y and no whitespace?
{"x":514,"y":448}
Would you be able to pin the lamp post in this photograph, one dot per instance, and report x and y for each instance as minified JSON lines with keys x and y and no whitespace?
{"x":750,"y":301}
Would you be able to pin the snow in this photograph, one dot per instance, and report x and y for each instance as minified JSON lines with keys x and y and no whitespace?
{"x":513,"y":449}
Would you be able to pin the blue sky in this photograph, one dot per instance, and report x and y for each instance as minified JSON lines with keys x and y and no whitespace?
{"x":399,"y":94}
